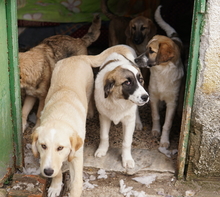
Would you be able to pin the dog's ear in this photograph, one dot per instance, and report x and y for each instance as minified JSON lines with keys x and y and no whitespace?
{"x":128,"y":32}
{"x":76,"y":143}
{"x":34,"y":137}
{"x":109,"y":85}
{"x":153,"y":29}
{"x":165,"y":53}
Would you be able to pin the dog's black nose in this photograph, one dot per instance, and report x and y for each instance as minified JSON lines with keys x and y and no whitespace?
{"x":48,"y":171}
{"x":145,"y":97}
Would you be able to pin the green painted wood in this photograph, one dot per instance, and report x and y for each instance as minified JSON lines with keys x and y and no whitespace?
{"x":11,"y":14}
{"x":199,"y":10}
{"x":6,"y":127}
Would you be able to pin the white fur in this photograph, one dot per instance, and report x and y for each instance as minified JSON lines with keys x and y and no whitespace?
{"x":117,"y":110}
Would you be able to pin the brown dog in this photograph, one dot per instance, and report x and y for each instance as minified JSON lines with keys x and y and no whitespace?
{"x":37,"y":64}
{"x":134,"y":32}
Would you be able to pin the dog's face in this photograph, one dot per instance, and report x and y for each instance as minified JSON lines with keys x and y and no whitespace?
{"x":140,"y":29}
{"x":159,"y":51}
{"x":54,"y":145}
{"x":125,"y":83}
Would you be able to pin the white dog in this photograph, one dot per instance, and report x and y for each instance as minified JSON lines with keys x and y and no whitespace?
{"x":118,"y":92}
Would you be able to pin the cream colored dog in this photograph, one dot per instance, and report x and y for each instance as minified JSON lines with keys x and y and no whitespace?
{"x":61,"y":133}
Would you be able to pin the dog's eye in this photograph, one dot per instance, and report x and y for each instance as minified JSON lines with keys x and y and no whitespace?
{"x":60,"y":148}
{"x":141,"y":80}
{"x":151,"y":51}
{"x":128,"y":82}
{"x":143,"y":28}
{"x":134,"y":27}
{"x":44,"y":146}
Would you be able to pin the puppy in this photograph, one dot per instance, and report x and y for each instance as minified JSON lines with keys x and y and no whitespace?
{"x":134,"y":32}
{"x":163,"y":57}
{"x":118,"y":92}
{"x":37,"y":64}
{"x":61,"y":133}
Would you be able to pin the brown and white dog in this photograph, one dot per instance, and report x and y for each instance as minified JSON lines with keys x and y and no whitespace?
{"x":134,"y":32}
{"x":61,"y":133}
{"x":37,"y":64}
{"x":118,"y":93}
{"x":163,"y":57}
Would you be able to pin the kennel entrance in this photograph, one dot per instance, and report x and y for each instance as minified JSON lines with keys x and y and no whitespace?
{"x":10,"y":101}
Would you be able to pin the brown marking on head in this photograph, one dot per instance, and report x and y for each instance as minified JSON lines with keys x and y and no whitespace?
{"x":119,"y":83}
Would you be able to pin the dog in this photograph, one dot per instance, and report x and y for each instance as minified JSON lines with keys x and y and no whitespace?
{"x":163,"y":57}
{"x":118,"y":93}
{"x":134,"y":32}
{"x":37,"y":64}
{"x":61,"y":132}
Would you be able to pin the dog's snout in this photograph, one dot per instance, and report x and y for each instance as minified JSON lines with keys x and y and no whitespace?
{"x":145,"y":97}
{"x":48,"y":171}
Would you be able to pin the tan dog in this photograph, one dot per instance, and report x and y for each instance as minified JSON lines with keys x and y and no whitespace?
{"x":37,"y":64}
{"x":133,"y":32}
{"x":163,"y":57}
{"x":61,"y":133}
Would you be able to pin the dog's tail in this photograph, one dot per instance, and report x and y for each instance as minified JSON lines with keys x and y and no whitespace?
{"x":170,"y":31}
{"x":93,"y":32}
{"x":97,"y":60}
{"x":106,"y":11}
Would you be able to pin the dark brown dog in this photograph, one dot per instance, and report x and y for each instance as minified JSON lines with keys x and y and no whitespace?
{"x":134,"y":32}
{"x":37,"y":64}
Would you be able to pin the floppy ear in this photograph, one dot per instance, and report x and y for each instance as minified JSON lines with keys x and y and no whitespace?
{"x":165,"y":53}
{"x":76,"y":143}
{"x":109,"y":85}
{"x":34,"y":137}
{"x":153,"y":29}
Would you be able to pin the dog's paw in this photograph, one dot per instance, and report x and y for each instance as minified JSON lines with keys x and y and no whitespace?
{"x":164,"y":144}
{"x":128,"y":163}
{"x":100,"y":152}
{"x":54,"y":192}
{"x":138,"y":126}
{"x":155,"y":133}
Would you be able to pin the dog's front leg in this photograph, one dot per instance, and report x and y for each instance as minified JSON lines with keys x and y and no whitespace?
{"x":170,"y":111}
{"x":128,"y":126}
{"x":56,"y":185}
{"x":40,"y":108}
{"x":138,"y":123}
{"x":105,"y":124}
{"x":76,"y":174}
{"x":155,"y":117}
{"x":29,"y":102}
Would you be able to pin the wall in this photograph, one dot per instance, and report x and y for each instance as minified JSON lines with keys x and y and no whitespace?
{"x":204,"y":149}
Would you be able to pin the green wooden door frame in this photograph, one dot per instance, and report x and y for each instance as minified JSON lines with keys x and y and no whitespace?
{"x":10,"y":102}
{"x":12,"y":31}
{"x":199,"y":10}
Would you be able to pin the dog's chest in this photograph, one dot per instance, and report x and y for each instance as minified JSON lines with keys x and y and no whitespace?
{"x":164,"y":81}
{"x":118,"y":110}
